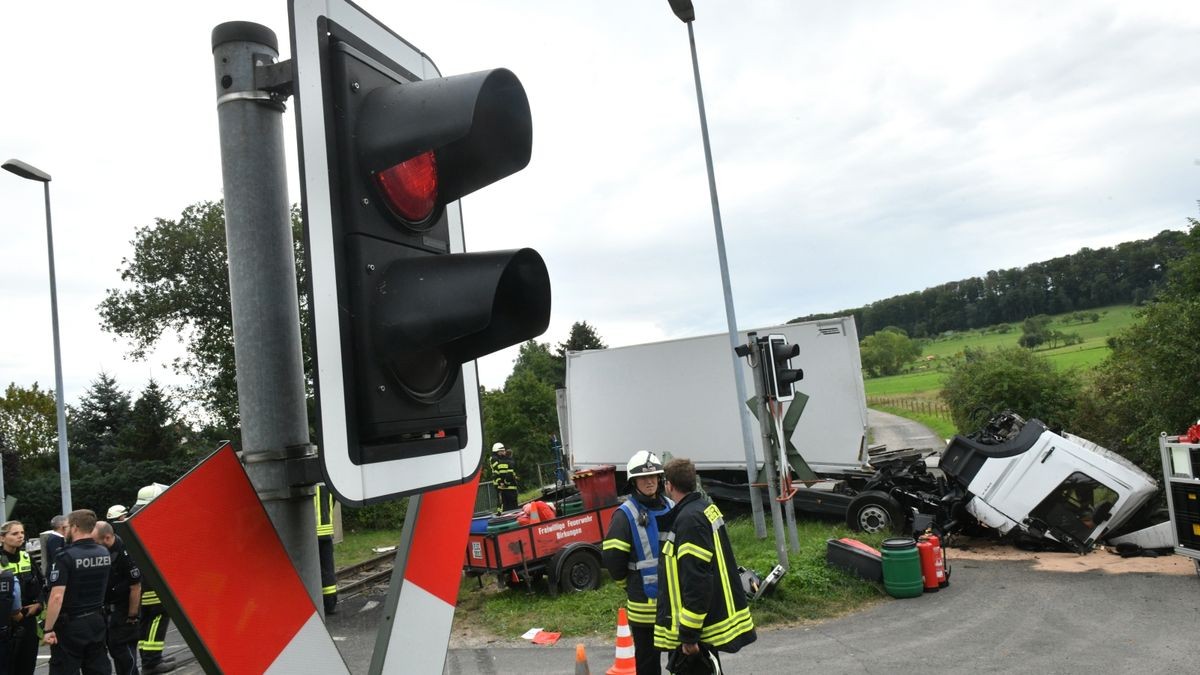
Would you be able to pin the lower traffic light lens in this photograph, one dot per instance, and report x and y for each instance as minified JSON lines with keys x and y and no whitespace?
{"x":426,"y":376}
{"x":411,"y":188}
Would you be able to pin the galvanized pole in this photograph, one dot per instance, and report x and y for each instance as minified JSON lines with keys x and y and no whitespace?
{"x":64,"y":463}
{"x":760,"y":397}
{"x":262,"y":289}
{"x":760,"y":526}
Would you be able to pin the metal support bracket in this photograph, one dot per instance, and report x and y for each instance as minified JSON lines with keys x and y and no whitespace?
{"x":275,"y":78}
{"x":302,"y":468}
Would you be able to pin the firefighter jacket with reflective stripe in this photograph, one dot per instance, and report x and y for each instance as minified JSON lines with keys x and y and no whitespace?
{"x":323,"y":505}
{"x":504,"y":476}
{"x":700,"y":596}
{"x":634,"y":538}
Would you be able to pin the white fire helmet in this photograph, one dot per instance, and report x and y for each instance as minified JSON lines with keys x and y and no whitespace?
{"x":498,"y":447}
{"x":643,"y":463}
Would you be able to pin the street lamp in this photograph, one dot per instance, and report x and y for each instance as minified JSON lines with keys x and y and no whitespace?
{"x":64,"y":468}
{"x":687,"y":14}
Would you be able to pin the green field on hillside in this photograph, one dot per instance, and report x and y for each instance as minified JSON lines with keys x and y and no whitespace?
{"x":928,"y":374}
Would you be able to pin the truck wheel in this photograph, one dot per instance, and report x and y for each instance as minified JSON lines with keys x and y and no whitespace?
{"x":580,"y":572}
{"x":873,"y":511}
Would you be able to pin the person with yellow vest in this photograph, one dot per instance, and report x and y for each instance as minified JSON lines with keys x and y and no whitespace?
{"x":631,"y":549}
{"x":155,"y":620}
{"x":702,"y":608}
{"x":504,"y":476}
{"x":23,"y":642}
{"x":323,"y":505}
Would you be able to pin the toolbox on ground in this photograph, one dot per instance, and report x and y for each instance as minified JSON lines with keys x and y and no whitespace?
{"x":855,"y":557}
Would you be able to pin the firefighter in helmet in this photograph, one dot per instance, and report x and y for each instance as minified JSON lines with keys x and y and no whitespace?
{"x":631,"y":549}
{"x":504,"y":476}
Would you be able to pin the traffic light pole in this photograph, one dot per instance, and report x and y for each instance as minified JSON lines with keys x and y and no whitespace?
{"x":262,"y":289}
{"x":760,"y":397}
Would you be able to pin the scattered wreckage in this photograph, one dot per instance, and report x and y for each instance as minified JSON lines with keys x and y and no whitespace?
{"x":1016,"y":477}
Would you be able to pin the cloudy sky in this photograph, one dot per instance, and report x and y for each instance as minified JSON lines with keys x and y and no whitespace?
{"x":862,"y":149}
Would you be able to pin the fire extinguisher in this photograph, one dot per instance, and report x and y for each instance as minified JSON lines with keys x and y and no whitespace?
{"x":929,"y":568}
{"x":939,"y":557}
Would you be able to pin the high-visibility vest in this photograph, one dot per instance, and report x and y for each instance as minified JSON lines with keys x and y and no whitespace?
{"x":323,"y":506}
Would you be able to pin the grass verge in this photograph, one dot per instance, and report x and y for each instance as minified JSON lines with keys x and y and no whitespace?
{"x":356,"y":546}
{"x":809,"y":591}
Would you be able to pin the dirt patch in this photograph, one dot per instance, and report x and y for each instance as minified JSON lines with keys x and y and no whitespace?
{"x":1099,"y":560}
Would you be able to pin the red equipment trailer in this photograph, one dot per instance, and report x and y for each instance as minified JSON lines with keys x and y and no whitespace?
{"x":565,"y":549}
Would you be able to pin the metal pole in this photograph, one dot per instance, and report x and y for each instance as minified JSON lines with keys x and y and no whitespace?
{"x":262,"y":288}
{"x":64,"y":464}
{"x":789,"y":509}
{"x":777,"y":515}
{"x":760,"y":527}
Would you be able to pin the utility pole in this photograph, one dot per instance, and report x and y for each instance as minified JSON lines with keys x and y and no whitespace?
{"x":262,"y":286}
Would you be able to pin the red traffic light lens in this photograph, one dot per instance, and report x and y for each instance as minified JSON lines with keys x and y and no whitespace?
{"x":411,"y":187}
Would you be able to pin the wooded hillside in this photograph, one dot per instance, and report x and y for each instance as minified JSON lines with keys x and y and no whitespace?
{"x":1131,"y":272}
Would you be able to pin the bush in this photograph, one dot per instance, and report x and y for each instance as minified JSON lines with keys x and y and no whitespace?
{"x":1009,"y":378}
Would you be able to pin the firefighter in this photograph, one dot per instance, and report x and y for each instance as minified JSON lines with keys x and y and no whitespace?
{"x":75,"y":627}
{"x":631,"y":553}
{"x":702,"y":608}
{"x":23,"y":646}
{"x":155,"y":621}
{"x":323,"y":505}
{"x":504,"y":476}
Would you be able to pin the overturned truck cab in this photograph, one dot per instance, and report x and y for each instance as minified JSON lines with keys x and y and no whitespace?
{"x":1017,"y":476}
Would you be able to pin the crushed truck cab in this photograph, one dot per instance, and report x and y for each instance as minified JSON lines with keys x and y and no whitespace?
{"x":1017,"y":476}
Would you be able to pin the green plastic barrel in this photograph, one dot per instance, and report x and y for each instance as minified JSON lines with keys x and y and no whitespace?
{"x":902,"y":568}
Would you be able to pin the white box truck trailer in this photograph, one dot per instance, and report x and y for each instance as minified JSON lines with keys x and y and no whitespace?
{"x":678,"y":397}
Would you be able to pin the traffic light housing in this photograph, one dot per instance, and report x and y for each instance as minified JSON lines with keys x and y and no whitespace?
{"x":400,"y":310}
{"x":778,"y":372}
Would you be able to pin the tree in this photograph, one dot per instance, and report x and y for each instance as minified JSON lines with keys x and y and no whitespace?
{"x":1009,"y":378}
{"x":887,"y":351}
{"x":1147,"y":385}
{"x":534,"y":358}
{"x":153,"y":432}
{"x":583,"y":336}
{"x":523,"y":417}
{"x":99,"y":421}
{"x":178,"y":280}
{"x":28,"y":422}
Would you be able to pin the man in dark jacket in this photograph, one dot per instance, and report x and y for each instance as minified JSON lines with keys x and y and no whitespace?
{"x":504,"y":476}
{"x":631,"y":551}
{"x":702,"y":607}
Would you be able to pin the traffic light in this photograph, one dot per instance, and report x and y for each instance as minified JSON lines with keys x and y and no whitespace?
{"x":778,"y":371}
{"x":400,"y":311}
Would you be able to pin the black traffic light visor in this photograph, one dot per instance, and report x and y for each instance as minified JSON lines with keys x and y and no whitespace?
{"x":478,"y":126}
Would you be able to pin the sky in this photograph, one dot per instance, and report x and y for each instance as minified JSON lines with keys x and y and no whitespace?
{"x":861,"y":150}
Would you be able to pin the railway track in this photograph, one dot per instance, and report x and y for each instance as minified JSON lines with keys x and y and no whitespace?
{"x":355,"y":578}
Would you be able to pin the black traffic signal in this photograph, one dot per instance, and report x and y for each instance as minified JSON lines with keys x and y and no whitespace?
{"x":412,"y":311}
{"x":778,"y":372}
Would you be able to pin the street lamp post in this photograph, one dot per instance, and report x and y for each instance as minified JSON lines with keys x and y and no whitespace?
{"x":64,"y":467}
{"x":687,"y":14}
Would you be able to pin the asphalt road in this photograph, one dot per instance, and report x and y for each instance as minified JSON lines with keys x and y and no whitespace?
{"x":997,"y":616}
{"x":898,"y":433}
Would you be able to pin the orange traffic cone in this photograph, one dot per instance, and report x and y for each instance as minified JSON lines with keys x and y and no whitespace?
{"x":581,"y":666}
{"x":625,"y":663}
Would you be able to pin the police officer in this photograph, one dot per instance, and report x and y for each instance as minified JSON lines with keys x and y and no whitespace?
{"x":702,"y":608}
{"x":75,"y":627}
{"x":323,"y":505}
{"x":10,"y":609}
{"x":23,"y":648}
{"x":504,"y":476}
{"x":630,"y":552}
{"x":122,"y":600}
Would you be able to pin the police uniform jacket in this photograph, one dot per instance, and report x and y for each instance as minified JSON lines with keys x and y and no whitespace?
{"x":504,"y":476}
{"x":26,"y":572}
{"x":625,"y":553}
{"x":701,"y":599}
{"x":82,"y":567}
{"x":123,"y":574}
